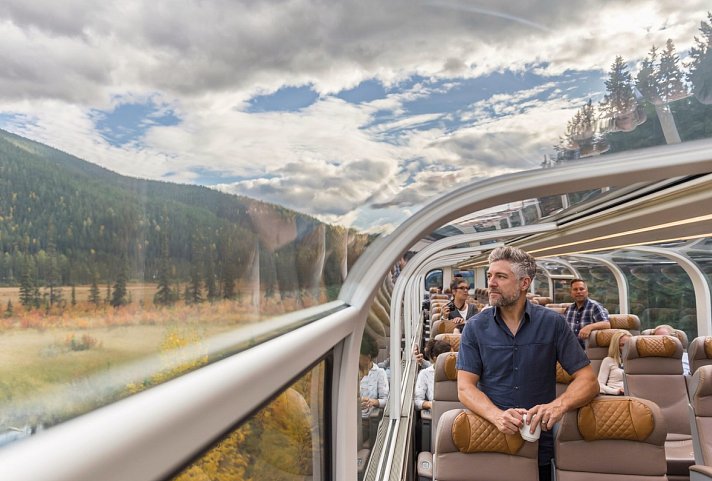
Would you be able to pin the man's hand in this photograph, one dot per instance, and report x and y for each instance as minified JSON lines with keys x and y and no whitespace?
{"x":546,"y":414}
{"x":417,"y":355}
{"x":509,"y":421}
{"x":585,"y":332}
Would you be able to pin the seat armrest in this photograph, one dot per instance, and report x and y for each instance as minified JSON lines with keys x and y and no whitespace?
{"x":425,"y":465}
{"x":699,"y":472}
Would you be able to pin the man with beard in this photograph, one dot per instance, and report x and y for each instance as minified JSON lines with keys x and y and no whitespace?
{"x":511,"y":350}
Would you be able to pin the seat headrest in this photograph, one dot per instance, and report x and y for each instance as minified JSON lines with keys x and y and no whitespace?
{"x":701,"y":348}
{"x":653,"y":355}
{"x":443,"y":326}
{"x":611,"y":418}
{"x":452,"y":339}
{"x":601,"y":338}
{"x":446,"y":367}
{"x":656,"y":346}
{"x":700,"y":391}
{"x":624,"y":321}
{"x":562,"y":377}
{"x":700,"y":352}
{"x":676,"y":332}
{"x":474,"y":434}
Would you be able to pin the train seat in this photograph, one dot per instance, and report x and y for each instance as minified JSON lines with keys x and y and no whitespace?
{"x":563,"y":379}
{"x":700,"y":392}
{"x":680,"y":334}
{"x":445,"y":398}
{"x":597,"y":347}
{"x":653,"y":370}
{"x":700,"y":352}
{"x":611,"y":438}
{"x":629,"y":322}
{"x":452,"y":339}
{"x":470,"y":447}
{"x":442,"y":326}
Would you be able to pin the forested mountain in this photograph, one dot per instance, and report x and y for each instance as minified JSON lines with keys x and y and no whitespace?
{"x":65,"y":221}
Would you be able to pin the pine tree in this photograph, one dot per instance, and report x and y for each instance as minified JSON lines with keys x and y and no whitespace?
{"x":671,"y":86}
{"x":94,"y":295}
{"x":646,"y":80}
{"x":700,"y":68}
{"x":9,"y":309}
{"x":194,"y":291}
{"x":53,"y":276}
{"x":120,"y":297}
{"x":27,"y":285}
{"x":164,"y":293}
{"x":620,"y":98}
{"x":211,"y":286}
{"x":74,"y":295}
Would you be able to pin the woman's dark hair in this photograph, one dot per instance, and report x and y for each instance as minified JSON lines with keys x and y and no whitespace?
{"x":369,"y":347}
{"x":434,"y":348}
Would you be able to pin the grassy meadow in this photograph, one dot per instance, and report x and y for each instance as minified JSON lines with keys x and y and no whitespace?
{"x":43,"y":350}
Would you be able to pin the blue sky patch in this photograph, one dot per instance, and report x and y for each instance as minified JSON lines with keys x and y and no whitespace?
{"x":286,"y":99}
{"x":129,"y":122}
{"x":366,"y":91}
{"x":208,"y":176}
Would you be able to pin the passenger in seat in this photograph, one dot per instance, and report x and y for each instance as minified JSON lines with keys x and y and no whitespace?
{"x":584,"y":314}
{"x":458,"y":309}
{"x":508,"y":354}
{"x":666,"y":330}
{"x":425,"y":385}
{"x":610,"y":375}
{"x":374,"y":382}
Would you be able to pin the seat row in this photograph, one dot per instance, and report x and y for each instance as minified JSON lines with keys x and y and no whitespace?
{"x":654,"y":380}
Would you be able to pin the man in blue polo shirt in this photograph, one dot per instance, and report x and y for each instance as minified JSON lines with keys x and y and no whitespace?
{"x":511,"y":350}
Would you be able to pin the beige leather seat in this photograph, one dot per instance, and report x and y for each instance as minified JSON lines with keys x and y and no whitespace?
{"x":597,"y":347}
{"x":445,"y":398}
{"x":700,"y":391}
{"x":468,"y":447}
{"x":452,"y":339}
{"x":629,"y":322}
{"x":563,"y":379}
{"x":677,"y":333}
{"x":653,"y":370}
{"x":442,"y":326}
{"x":611,"y":438}
{"x":700,"y":353}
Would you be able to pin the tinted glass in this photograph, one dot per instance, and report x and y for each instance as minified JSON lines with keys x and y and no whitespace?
{"x":284,"y":441}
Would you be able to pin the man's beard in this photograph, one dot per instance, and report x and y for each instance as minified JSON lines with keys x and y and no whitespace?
{"x":505,"y":301}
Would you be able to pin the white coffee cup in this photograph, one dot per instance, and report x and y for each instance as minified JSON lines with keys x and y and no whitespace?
{"x":524,"y":431}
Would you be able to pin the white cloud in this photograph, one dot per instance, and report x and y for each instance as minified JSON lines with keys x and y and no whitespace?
{"x":205,"y":60}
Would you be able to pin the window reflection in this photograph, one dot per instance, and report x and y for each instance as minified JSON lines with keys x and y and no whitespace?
{"x":283,"y":441}
{"x":661,"y":292}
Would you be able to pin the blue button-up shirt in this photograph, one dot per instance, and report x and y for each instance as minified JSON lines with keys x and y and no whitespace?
{"x":520,"y":371}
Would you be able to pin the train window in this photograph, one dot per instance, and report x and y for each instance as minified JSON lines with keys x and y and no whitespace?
{"x":283,"y":441}
{"x":601,"y":283}
{"x":661,"y":292}
{"x":434,"y":279}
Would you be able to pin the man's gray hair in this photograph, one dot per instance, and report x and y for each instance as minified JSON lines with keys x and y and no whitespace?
{"x":523,"y":264}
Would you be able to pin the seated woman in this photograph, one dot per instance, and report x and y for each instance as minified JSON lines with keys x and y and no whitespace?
{"x":425,"y":384}
{"x":610,"y":376}
{"x":374,"y":382}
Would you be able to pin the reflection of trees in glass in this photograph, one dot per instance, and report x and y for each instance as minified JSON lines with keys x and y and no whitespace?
{"x":277,"y":443}
{"x":660,"y":81}
{"x":700,"y":68}
{"x":619,"y":104}
{"x":662,"y":294}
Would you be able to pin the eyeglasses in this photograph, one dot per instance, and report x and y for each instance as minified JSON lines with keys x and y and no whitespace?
{"x":461,"y":288}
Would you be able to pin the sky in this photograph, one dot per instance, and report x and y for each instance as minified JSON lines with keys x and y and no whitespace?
{"x":354,"y":111}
